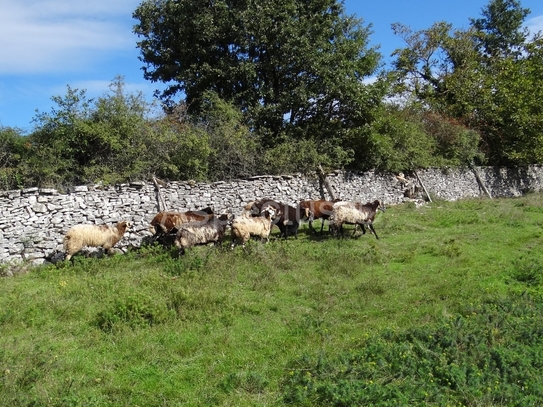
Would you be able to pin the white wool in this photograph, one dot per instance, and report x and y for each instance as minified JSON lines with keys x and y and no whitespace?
{"x":349,"y":214}
{"x":189,"y":236}
{"x":80,"y":236}
{"x":243,"y":228}
{"x":356,"y":214}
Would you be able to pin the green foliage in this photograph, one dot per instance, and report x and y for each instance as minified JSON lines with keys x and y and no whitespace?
{"x":513,"y":128}
{"x":527,"y":269}
{"x":456,"y":145}
{"x":235,"y":151}
{"x":501,"y":28}
{"x":175,"y":149}
{"x":396,"y":141}
{"x":489,"y":354}
{"x":13,"y":150}
{"x":486,"y":77}
{"x":293,"y":67}
{"x":305,"y":156}
{"x":84,"y":141}
{"x":136,"y":311}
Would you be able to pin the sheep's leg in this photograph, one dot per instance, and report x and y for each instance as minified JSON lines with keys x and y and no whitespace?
{"x":373,"y":230}
{"x":354,"y":229}
{"x":322,"y":224}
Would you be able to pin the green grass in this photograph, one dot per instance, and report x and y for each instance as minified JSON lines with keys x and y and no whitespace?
{"x":446,"y":308}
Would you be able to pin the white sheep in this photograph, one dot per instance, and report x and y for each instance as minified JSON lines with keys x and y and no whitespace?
{"x":103,"y":236}
{"x":355,"y":213}
{"x":195,"y":234}
{"x":244,"y":227}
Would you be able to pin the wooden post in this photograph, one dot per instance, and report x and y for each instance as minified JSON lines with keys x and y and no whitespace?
{"x":326,"y":184}
{"x":423,"y":187}
{"x":480,"y":181}
{"x":160,"y":199}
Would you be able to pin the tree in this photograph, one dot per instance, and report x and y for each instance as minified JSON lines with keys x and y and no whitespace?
{"x":501,"y":29}
{"x":13,"y":146}
{"x":235,"y":152}
{"x":85,"y":140}
{"x":293,"y":67}
{"x":486,"y":77}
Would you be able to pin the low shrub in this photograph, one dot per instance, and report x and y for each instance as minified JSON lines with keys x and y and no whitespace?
{"x":489,"y":355}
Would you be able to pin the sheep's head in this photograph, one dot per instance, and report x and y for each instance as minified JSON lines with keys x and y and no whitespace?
{"x":380,"y":205}
{"x":269,"y":212}
{"x":226,"y":218}
{"x":123,"y":226}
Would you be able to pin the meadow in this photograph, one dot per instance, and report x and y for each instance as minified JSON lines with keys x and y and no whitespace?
{"x":445,"y":309}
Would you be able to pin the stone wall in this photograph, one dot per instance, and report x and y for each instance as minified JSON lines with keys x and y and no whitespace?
{"x":34,"y":221}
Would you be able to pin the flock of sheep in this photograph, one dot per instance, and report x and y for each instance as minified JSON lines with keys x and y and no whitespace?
{"x":193,"y":228}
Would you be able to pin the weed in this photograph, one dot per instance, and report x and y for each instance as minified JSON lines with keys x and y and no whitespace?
{"x":136,"y":311}
{"x":528,"y":269}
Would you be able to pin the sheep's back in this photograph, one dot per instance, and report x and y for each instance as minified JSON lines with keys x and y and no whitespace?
{"x":349,"y":214}
{"x":198,"y":234}
{"x":90,"y":235}
{"x":254,"y":226}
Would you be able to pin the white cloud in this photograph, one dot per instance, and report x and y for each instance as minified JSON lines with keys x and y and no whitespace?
{"x":62,"y":35}
{"x":535,"y":24}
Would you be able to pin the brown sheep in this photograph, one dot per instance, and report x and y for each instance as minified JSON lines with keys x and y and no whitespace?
{"x":321,"y":209}
{"x":168,"y":222}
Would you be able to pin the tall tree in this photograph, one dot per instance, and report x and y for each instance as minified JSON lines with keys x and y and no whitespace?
{"x":294,"y":67}
{"x":501,"y":28}
{"x":487,"y":77}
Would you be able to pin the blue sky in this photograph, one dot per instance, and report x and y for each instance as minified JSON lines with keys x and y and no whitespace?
{"x":46,"y":45}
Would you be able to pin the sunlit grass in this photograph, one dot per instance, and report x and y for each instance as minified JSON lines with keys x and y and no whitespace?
{"x":222,"y":327}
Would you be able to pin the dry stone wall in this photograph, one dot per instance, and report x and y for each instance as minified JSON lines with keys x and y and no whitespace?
{"x":34,"y":221}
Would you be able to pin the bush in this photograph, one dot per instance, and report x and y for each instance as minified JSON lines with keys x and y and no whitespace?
{"x":488,"y":355}
{"x":134,"y":311}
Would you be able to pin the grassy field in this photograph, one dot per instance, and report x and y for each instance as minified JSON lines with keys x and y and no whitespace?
{"x":445,"y":309}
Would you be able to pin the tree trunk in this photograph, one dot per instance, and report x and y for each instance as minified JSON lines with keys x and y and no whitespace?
{"x":324,"y":181}
{"x":480,"y":181}
{"x":422,"y":184}
{"x":160,"y":199}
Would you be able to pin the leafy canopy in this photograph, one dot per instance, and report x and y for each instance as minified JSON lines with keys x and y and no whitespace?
{"x":487,"y":77}
{"x":293,"y":67}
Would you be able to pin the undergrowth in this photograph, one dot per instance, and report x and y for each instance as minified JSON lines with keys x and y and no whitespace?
{"x":490,"y":354}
